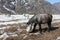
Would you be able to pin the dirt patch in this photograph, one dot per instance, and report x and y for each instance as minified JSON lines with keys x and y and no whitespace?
{"x":52,"y":35}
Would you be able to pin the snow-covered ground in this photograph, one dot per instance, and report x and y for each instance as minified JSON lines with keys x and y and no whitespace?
{"x":14,"y":19}
{"x":56,"y":17}
{"x":4,"y":19}
{"x":21,"y":17}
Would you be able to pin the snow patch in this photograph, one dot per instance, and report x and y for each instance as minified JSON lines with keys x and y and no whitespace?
{"x":4,"y":19}
{"x":58,"y":38}
{"x":4,"y":36}
{"x":9,"y":9}
{"x":29,"y":28}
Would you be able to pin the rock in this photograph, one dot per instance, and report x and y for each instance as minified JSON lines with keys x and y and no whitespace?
{"x":11,"y":29}
{"x":1,"y":32}
{"x":25,"y":36}
{"x":12,"y":38}
{"x":58,"y":38}
{"x":12,"y":34}
{"x":4,"y":36}
{"x":29,"y":28}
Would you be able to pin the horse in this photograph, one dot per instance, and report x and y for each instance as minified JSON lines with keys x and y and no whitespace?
{"x":41,"y":19}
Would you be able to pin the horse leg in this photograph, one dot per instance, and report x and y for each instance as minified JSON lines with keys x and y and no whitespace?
{"x":40,"y":28}
{"x":34,"y":27}
{"x":49,"y":26}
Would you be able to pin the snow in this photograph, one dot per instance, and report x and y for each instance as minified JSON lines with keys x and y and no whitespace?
{"x":58,"y":38}
{"x":9,"y":9}
{"x":4,"y":19}
{"x":4,"y":36}
{"x":29,"y":28}
{"x":13,"y":3}
{"x":1,"y":28}
{"x":56,"y":17}
{"x":12,"y":17}
{"x":25,"y":37}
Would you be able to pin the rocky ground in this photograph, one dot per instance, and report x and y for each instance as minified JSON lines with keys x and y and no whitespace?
{"x":17,"y":31}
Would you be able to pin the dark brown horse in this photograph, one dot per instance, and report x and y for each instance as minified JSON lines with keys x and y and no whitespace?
{"x":40,"y":19}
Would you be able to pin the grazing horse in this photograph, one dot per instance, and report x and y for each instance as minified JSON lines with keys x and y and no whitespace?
{"x":40,"y":19}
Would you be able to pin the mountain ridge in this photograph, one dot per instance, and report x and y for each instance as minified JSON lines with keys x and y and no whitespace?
{"x":57,"y":5}
{"x":27,"y":7}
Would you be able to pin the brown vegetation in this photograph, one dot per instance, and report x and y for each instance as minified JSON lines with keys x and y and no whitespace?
{"x":52,"y":35}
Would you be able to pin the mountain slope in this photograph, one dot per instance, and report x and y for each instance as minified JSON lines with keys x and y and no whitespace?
{"x":36,"y":6}
{"x":57,"y":5}
{"x":27,"y":6}
{"x":6,"y":6}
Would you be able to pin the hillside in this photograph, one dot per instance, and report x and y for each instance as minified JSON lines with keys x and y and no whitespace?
{"x":27,"y":6}
{"x":36,"y":6}
{"x":7,"y":6}
{"x":14,"y":28}
{"x":57,"y":5}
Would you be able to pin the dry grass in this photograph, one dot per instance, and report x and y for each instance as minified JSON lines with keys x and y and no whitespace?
{"x":52,"y":35}
{"x":11,"y":29}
